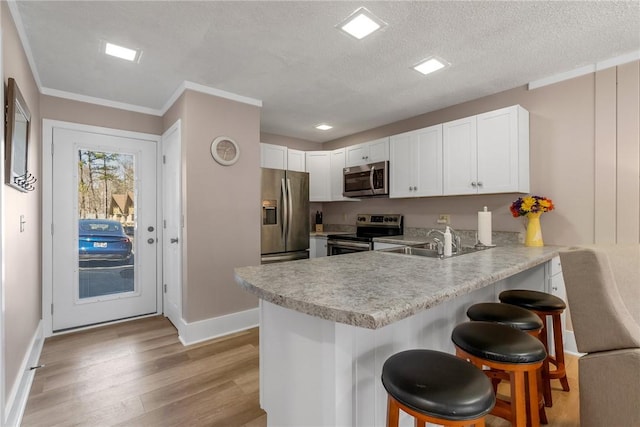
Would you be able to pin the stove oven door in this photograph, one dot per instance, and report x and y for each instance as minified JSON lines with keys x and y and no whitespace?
{"x":341,"y":247}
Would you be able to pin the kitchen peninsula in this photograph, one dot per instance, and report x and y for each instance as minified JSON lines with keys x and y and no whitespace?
{"x":328,"y":324}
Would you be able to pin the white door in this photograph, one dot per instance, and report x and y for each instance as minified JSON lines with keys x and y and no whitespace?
{"x":104,"y":228}
{"x":172,"y":223}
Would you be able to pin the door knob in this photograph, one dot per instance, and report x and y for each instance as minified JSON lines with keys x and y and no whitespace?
{"x":174,"y":240}
{"x":151,"y":240}
{"x":150,"y":228}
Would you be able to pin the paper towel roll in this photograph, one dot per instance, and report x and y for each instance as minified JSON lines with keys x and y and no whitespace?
{"x":484,"y":227}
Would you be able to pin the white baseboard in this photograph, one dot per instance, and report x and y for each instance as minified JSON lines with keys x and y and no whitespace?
{"x":19,"y":394}
{"x":570,"y":345}
{"x":203,"y":330}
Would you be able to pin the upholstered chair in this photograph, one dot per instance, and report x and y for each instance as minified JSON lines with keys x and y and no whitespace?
{"x":603,"y":295}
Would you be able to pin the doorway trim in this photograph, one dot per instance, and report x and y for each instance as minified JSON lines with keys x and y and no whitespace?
{"x":47,"y":208}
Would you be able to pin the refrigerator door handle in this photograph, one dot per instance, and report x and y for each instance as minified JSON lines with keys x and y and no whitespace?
{"x":290,"y":199}
{"x":285,"y":205}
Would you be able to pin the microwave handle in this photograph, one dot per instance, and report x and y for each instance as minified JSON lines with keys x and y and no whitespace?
{"x":373,"y":190}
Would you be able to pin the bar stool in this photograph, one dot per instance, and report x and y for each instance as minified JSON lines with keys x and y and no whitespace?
{"x":436,"y":387}
{"x":510,"y":315}
{"x":507,"y":349}
{"x":544,"y":304}
{"x":515,"y":317}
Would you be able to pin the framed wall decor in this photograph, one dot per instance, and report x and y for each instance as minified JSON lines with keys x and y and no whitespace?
{"x":17,"y":140}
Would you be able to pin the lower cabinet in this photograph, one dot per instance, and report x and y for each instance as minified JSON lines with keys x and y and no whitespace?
{"x":380,"y":245}
{"x":317,"y":246}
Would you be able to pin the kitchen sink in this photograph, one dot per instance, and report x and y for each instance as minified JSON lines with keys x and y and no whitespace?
{"x":413,"y":250}
{"x":430,"y":250}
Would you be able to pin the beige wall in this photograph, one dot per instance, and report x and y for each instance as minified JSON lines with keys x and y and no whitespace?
{"x":295,"y":143}
{"x":564,"y":165}
{"x":222,"y":215}
{"x":67,"y":110}
{"x":22,"y":256}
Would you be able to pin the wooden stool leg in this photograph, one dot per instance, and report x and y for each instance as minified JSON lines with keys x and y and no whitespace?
{"x":559,"y":346}
{"x":546,"y":381}
{"x":518,"y":402}
{"x":534,"y":411}
{"x":393,"y":413}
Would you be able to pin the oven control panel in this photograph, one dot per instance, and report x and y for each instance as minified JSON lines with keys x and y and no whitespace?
{"x":389,"y":220}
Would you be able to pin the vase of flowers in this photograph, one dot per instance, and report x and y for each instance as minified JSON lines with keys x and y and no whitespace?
{"x":532,"y":207}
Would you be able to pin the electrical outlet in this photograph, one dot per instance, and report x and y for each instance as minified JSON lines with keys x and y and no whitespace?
{"x":444,"y":219}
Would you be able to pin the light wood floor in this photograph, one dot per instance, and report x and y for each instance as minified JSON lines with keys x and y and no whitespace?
{"x":139,"y":374}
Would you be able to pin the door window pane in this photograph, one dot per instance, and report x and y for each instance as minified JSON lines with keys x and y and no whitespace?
{"x":106,"y":223}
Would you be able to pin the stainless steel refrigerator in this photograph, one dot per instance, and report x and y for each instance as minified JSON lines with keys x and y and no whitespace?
{"x":285,"y":215}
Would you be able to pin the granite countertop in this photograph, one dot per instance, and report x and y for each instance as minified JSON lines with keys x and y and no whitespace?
{"x":326,"y":233}
{"x":373,"y":289}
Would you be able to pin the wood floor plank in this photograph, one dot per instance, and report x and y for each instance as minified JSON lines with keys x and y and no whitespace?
{"x":138,"y":374}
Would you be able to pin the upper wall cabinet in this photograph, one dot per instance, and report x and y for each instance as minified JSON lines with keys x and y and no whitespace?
{"x":368,"y":152}
{"x":273,"y":156}
{"x":296,"y":160}
{"x":319,"y":168}
{"x":338,"y":163}
{"x":487,"y":153}
{"x":416,"y":163}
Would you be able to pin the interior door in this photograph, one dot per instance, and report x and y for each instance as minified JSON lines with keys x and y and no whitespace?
{"x":172,"y":223}
{"x":104,"y":228}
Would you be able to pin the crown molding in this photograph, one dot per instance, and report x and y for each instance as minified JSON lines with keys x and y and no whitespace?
{"x":587,"y":69}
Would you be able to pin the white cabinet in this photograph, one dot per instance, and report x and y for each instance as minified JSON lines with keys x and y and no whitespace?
{"x":273,"y":156}
{"x":296,"y":160}
{"x":368,"y":152}
{"x":558,"y":289}
{"x":416,"y":163}
{"x":503,"y":151}
{"x":381,"y":245}
{"x":487,"y":153}
{"x":338,"y":163}
{"x":460,"y":164}
{"x":317,"y":246}
{"x":318,"y":165}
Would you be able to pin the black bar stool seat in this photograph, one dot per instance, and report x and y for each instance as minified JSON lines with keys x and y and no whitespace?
{"x":510,"y":315}
{"x":508,"y":349}
{"x":436,"y":387}
{"x":533,"y":300}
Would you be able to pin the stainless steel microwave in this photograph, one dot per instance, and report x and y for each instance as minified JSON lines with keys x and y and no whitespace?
{"x":366,"y":180}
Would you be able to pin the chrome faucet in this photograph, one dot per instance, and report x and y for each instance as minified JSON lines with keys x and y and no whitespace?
{"x":455,"y":239}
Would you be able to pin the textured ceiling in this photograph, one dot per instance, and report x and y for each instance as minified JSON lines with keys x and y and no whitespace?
{"x":290,"y":56}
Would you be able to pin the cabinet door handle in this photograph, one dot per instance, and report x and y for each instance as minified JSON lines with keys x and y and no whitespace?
{"x":479,"y":184}
{"x":473,"y":184}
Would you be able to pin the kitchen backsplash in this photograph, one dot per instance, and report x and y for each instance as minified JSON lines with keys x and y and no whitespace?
{"x":499,"y":238}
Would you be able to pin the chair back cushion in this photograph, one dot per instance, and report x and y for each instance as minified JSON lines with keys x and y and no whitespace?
{"x":602,"y":318}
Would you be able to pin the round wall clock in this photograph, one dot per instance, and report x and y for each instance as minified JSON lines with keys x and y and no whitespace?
{"x":225,"y":150}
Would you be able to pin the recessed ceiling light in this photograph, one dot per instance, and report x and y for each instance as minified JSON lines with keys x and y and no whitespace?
{"x":324,"y":126}
{"x":121,"y":52}
{"x":361,"y":23}
{"x":431,"y":65}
